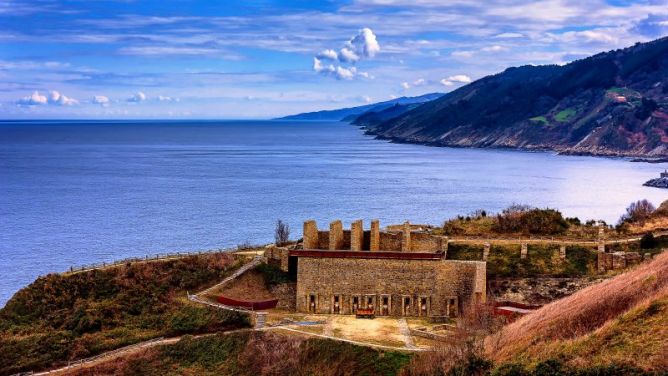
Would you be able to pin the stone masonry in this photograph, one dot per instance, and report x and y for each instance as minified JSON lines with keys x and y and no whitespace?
{"x":401,"y":271}
{"x":393,"y":287}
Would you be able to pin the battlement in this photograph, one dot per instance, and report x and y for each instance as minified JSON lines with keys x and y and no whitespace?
{"x":396,"y":238}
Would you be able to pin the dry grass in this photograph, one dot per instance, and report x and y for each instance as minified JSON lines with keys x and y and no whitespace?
{"x":556,"y":328}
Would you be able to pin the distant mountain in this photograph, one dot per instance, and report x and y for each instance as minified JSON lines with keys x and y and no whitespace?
{"x":613,"y":103}
{"x":349,"y":114}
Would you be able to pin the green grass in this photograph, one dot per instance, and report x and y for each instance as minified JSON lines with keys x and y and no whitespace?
{"x":542,"y":261}
{"x":565,"y":115}
{"x":540,"y":119}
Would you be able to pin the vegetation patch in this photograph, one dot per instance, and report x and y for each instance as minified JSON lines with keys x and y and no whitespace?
{"x":66,"y":317}
{"x":540,"y":120}
{"x":565,"y":115}
{"x":257,"y":353}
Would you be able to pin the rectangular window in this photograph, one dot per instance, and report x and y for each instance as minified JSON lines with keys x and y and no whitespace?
{"x":311,"y":303}
{"x":356,"y":303}
{"x":424,"y":308}
{"x":337,"y":305}
{"x":406,"y":306}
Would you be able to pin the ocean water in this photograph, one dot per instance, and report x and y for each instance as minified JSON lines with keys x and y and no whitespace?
{"x":83,"y":192}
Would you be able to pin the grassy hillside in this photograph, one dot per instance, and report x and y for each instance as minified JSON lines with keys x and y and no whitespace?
{"x":612,"y":103}
{"x":253,"y":354}
{"x":622,"y":320}
{"x":65,"y":317}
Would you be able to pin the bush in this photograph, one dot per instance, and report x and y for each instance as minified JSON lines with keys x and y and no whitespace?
{"x":648,"y":241}
{"x":273,"y":275}
{"x":526,"y":220}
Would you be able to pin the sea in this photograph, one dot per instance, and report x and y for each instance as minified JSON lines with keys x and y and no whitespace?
{"x":79,"y":192}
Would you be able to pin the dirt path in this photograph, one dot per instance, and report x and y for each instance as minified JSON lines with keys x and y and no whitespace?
{"x":122,"y":352}
{"x":406,"y":333}
{"x":359,"y":343}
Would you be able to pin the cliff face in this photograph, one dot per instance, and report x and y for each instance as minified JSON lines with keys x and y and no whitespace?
{"x":613,"y":103}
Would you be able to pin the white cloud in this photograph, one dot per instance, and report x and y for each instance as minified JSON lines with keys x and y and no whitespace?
{"x":509,"y":35}
{"x":340,"y":72}
{"x":328,"y":54}
{"x":419,"y":82}
{"x":462,"y":54}
{"x":346,"y":55}
{"x":364,"y":45}
{"x":345,"y":73}
{"x":367,"y":99}
{"x":54,"y":98}
{"x":405,"y":85}
{"x":456,"y":79}
{"x":138,"y":97}
{"x":101,"y":100}
{"x":495,"y":48}
{"x":34,"y":99}
{"x":162,"y":98}
{"x":61,"y":100}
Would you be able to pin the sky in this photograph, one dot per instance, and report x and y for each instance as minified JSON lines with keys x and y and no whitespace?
{"x":257,"y":59}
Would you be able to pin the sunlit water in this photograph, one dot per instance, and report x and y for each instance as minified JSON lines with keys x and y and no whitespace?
{"x":72,"y":194}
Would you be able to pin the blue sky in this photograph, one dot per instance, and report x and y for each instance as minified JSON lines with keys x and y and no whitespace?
{"x":265,"y":58}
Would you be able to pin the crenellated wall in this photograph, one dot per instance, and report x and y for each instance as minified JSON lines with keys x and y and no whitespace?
{"x":403,"y":238}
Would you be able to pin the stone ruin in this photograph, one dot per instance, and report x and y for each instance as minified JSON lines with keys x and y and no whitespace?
{"x":396,"y":272}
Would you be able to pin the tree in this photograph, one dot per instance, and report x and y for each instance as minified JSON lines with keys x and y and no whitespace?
{"x":638,"y":212}
{"x":282,"y":233}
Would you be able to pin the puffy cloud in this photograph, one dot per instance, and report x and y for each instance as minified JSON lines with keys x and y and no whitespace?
{"x":456,"y":79}
{"x":405,"y":85}
{"x":339,"y":72}
{"x":328,"y":54}
{"x":61,"y":100}
{"x":54,"y":98}
{"x":364,"y":45}
{"x":367,"y":99}
{"x":445,"y":82}
{"x":101,"y":100}
{"x":346,"y":55}
{"x":419,"y":82}
{"x":345,"y":73}
{"x":34,"y":99}
{"x":138,"y":97}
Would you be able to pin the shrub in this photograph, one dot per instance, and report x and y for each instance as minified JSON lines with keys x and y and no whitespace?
{"x":648,"y":241}
{"x":526,"y":220}
{"x":273,"y":275}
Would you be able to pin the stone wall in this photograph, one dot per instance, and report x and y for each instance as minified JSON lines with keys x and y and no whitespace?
{"x":445,"y":287}
{"x":617,"y":260}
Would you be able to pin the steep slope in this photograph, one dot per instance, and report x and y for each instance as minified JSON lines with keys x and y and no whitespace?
{"x":348,"y":114}
{"x":623,"y":320}
{"x":613,"y":103}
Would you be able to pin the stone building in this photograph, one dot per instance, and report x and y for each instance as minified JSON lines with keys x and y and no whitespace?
{"x":398,"y":272}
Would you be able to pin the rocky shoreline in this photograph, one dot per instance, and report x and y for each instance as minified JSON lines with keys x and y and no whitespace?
{"x":661,"y":182}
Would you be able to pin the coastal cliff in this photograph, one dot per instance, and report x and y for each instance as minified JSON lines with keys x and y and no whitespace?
{"x":610,"y":104}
